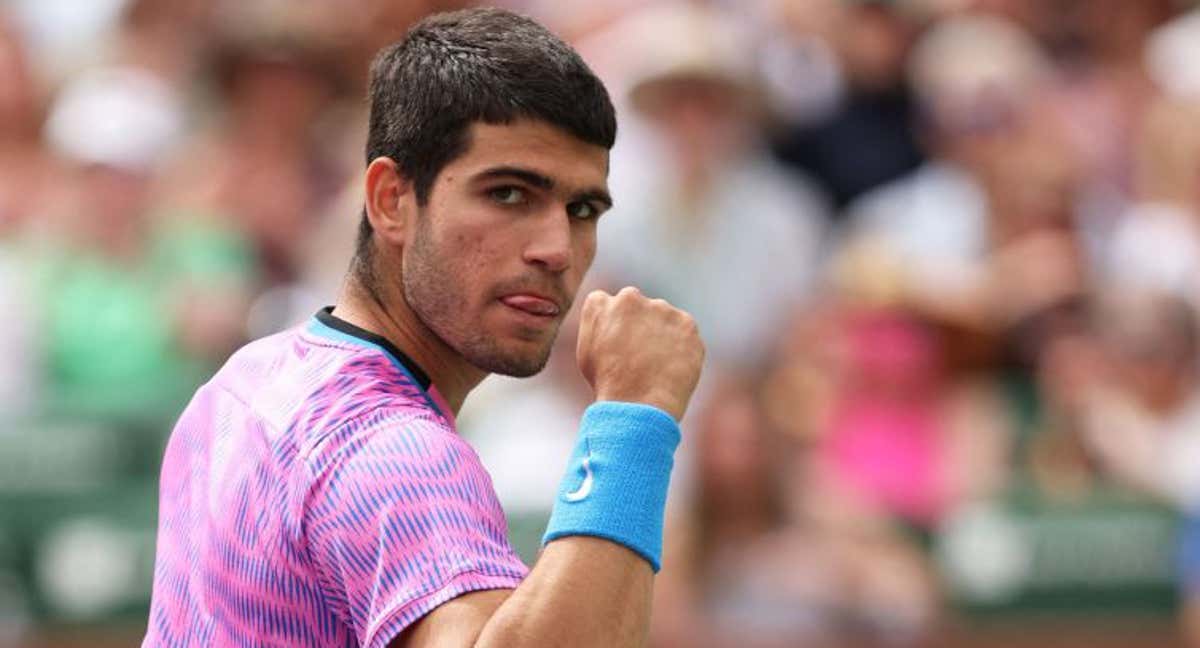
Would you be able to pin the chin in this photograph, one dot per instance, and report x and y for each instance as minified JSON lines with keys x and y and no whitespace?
{"x":515,"y":366}
{"x":517,"y":363}
{"x":520,"y":354}
{"x":520,"y":362}
{"x":520,"y":371}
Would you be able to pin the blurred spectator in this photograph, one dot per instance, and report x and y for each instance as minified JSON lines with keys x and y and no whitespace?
{"x":963,"y":238}
{"x":1156,"y":245}
{"x":1104,"y":86}
{"x":269,"y":163}
{"x":25,"y":168}
{"x":1140,"y":413}
{"x":803,"y":77}
{"x":900,"y":436}
{"x":868,"y":138}
{"x":1007,"y":324}
{"x":1143,"y":409}
{"x":167,"y":37}
{"x":705,"y":218}
{"x":261,"y":163}
{"x":65,"y":36}
{"x":116,"y":285}
{"x":748,"y":566}
{"x":1170,"y":52}
{"x":26,"y":173}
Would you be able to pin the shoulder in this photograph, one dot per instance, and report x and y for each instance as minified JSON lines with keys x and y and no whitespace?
{"x":403,"y":471}
{"x":393,"y":442}
{"x":257,"y":357}
{"x":930,"y":185}
{"x":318,"y":390}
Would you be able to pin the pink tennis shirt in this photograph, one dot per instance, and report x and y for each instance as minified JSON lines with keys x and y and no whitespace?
{"x":315,"y":493}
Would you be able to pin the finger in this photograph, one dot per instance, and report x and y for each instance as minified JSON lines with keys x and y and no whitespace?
{"x":597,"y":302}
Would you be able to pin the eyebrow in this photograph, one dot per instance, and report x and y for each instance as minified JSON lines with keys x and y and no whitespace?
{"x":544,"y":183}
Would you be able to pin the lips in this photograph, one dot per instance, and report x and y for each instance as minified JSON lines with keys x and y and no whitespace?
{"x":531,"y":304}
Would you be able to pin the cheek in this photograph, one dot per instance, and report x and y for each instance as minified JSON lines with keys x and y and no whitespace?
{"x":584,"y":251}
{"x":588,"y":248}
{"x":474,"y":257}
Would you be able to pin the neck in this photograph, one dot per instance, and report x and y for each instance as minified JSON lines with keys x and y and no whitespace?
{"x":385,"y":312}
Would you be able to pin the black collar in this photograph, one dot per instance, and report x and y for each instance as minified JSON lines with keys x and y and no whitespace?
{"x":326,"y":317}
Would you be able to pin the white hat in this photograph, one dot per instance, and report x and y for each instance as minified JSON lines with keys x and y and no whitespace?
{"x":688,"y":41}
{"x":1172,"y":52}
{"x":972,"y":58}
{"x":118,"y":116}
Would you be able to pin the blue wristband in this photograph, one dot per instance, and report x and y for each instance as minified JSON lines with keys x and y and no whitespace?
{"x":616,"y":482}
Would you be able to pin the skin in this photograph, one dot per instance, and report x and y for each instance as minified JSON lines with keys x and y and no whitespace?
{"x":478,"y":280}
{"x":487,"y":233}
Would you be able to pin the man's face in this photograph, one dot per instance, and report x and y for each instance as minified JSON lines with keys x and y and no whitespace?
{"x":500,"y":249}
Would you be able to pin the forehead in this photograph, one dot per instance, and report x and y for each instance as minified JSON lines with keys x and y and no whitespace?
{"x":537,"y":146}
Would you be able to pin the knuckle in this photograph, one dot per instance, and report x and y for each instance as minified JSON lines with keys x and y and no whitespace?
{"x":684,"y":319}
{"x":595,"y":301}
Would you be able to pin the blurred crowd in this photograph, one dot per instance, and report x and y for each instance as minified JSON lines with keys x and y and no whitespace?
{"x":945,"y":255}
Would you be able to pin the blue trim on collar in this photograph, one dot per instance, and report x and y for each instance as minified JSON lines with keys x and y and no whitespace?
{"x":317,"y":327}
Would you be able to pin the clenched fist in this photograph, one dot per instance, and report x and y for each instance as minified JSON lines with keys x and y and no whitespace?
{"x":639,"y":350}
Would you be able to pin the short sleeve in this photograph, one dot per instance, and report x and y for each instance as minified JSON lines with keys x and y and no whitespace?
{"x":399,"y":519}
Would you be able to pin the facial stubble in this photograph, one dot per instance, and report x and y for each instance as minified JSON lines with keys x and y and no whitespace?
{"x":435,"y":291}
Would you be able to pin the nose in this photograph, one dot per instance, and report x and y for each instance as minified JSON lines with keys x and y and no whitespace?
{"x":550,"y":244}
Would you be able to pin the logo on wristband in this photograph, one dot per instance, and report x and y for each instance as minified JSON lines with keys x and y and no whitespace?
{"x":585,"y":488}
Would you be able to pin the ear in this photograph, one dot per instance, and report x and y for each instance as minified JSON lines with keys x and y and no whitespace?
{"x":389,"y":200}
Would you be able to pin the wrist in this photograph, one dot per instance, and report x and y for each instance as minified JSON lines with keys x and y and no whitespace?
{"x":659,"y":399}
{"x":615,"y":486}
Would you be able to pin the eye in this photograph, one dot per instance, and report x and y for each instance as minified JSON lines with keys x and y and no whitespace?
{"x":507,"y":195}
{"x":583,"y":210}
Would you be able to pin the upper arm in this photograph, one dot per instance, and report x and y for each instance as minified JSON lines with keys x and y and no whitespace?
{"x":455,"y":623}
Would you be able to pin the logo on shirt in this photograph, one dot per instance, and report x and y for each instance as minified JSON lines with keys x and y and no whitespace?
{"x":585,"y":488}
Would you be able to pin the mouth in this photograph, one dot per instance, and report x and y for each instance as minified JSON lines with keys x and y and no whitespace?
{"x":533,"y":305}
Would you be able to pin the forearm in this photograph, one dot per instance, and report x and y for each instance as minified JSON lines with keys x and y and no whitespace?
{"x":592,"y":584}
{"x":584,"y":591}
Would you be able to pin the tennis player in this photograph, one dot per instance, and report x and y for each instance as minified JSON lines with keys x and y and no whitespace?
{"x":315,"y":493}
